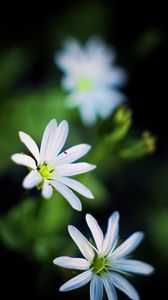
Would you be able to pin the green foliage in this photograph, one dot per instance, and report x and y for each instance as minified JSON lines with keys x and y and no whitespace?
{"x":158,"y":227}
{"x":139,"y":147}
{"x":119,"y":143}
{"x":35,"y":226}
{"x":98,"y":188}
{"x":148,"y":42}
{"x":13,"y":62}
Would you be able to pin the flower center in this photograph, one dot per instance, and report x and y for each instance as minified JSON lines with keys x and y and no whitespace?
{"x":99,"y":265}
{"x":45,"y":170}
{"x":84,"y":84}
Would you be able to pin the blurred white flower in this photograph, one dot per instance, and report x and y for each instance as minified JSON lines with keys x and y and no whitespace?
{"x":50,"y":170}
{"x":104,"y":263}
{"x":91,"y":78}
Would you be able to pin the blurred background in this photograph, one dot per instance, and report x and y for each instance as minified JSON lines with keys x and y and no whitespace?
{"x":132,"y":175}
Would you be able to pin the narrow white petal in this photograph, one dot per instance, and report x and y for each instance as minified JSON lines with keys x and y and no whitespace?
{"x":116,"y":77}
{"x":105,"y":109}
{"x":96,"y":288}
{"x":72,"y":154}
{"x":123,"y":284}
{"x":64,"y":59}
{"x":60,"y":138}
{"x":32,"y":179}
{"x":30,"y":144}
{"x":128,"y":246}
{"x":112,"y":234}
{"x":113,"y":99}
{"x":72,"y":263}
{"x":82,"y":243}
{"x":51,"y":143}
{"x":24,"y":160}
{"x":99,"y":52}
{"x":88,"y":111}
{"x":110,"y":290}
{"x":67,"y":194}
{"x":76,"y":186}
{"x":95,"y":230}
{"x":47,"y":140}
{"x":74,"y":169}
{"x":133,"y":266}
{"x":77,"y":281}
{"x":47,"y":190}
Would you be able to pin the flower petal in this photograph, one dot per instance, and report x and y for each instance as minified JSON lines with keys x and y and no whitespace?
{"x":72,"y":154}
{"x":123,"y":284}
{"x":133,"y":266}
{"x":77,"y":281}
{"x":113,"y":99}
{"x":128,"y":246}
{"x":76,"y":186}
{"x":74,"y":169}
{"x":30,"y":144}
{"x":59,"y":139}
{"x":96,"y":288}
{"x":95,"y":230}
{"x":66,"y":58}
{"x":32,"y":179}
{"x":47,"y":190}
{"x":110,"y":290}
{"x":67,"y":194}
{"x":88,"y":111}
{"x":48,"y":140}
{"x":24,"y":160}
{"x":112,"y":234}
{"x":72,"y":263}
{"x":82,"y":243}
{"x":115,"y":77}
{"x":99,"y":52}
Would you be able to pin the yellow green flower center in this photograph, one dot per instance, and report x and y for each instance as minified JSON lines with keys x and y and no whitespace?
{"x":45,"y":170}
{"x":99,"y":265}
{"x":84,"y":84}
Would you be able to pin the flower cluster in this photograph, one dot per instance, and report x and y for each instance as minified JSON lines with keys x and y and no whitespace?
{"x":93,"y":82}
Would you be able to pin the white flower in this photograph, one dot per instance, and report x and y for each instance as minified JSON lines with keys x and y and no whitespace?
{"x":50,"y":170}
{"x":91,"y":78}
{"x":104,"y":263}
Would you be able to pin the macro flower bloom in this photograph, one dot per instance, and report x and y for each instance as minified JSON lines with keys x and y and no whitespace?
{"x":50,"y":169}
{"x":104,"y":262}
{"x":91,"y":78}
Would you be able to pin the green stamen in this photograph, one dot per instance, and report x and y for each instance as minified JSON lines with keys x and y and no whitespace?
{"x":99,"y":265}
{"x":45,"y":170}
{"x":84,"y":84}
